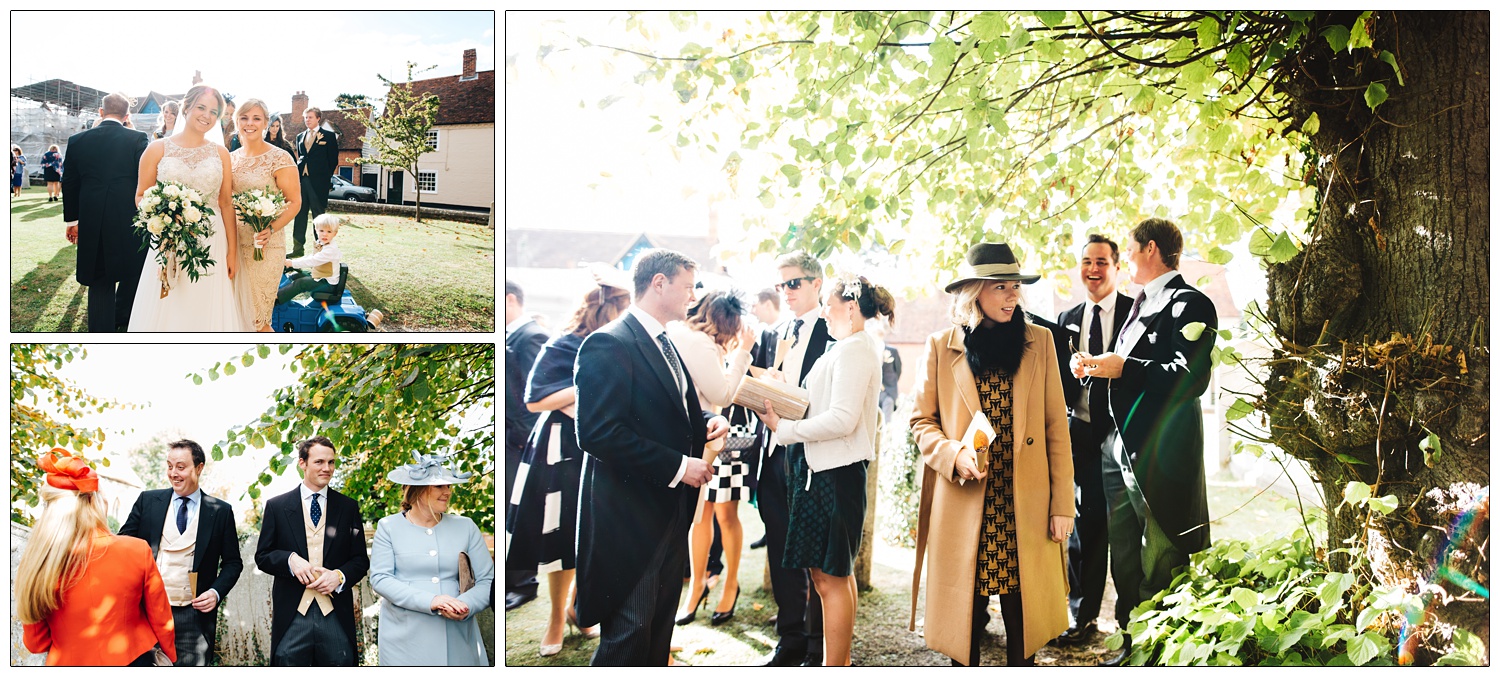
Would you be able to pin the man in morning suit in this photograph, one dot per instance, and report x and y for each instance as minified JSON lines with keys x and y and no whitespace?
{"x":644,"y":431}
{"x":194,"y":540}
{"x":99,"y":180}
{"x":312,"y":539}
{"x":317,"y":159}
{"x":799,"y":610}
{"x":523,"y":341}
{"x":1090,"y":327}
{"x":1158,"y":501}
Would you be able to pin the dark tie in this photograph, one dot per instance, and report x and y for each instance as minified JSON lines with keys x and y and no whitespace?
{"x":1135,"y":310}
{"x":671,"y":352}
{"x":182,"y":514}
{"x":796,"y":332}
{"x":1098,"y":390}
{"x":317,"y":512}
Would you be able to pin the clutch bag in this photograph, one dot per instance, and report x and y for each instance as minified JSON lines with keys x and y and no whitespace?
{"x":465,"y":573}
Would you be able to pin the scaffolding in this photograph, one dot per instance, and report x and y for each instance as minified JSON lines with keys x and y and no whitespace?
{"x":34,"y":127}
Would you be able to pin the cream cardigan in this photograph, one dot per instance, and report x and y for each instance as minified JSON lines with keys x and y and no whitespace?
{"x":840,"y":425}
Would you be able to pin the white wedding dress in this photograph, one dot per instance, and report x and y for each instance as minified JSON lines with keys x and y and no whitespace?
{"x":208,"y":304}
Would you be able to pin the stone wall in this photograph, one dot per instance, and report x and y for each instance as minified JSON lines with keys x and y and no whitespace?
{"x":384,"y":209}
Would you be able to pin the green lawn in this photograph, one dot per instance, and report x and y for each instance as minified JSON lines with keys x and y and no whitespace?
{"x":432,"y":276}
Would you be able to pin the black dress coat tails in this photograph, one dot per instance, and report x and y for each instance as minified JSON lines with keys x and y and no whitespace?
{"x":100,"y":173}
{"x":282,"y":532}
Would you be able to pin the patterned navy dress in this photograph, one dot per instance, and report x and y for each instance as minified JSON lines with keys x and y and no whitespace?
{"x":541,"y":521}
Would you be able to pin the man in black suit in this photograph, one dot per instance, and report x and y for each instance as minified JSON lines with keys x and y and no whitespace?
{"x":799,"y":610}
{"x":194,"y":540}
{"x":1091,"y":327}
{"x":523,"y":341}
{"x":99,"y":180}
{"x":317,"y":159}
{"x":640,"y":422}
{"x":312,"y":539}
{"x":1158,"y":500}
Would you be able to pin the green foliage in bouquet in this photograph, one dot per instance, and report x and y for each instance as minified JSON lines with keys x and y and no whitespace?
{"x":1271,"y":603}
{"x":378,"y":404}
{"x":173,"y":221}
{"x":258,"y":208}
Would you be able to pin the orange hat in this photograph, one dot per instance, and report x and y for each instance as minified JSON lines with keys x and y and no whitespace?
{"x":66,"y":471}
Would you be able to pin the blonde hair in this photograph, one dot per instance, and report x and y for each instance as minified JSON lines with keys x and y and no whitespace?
{"x":58,"y":551}
{"x":245,"y":107}
{"x":965,"y":310}
{"x":53,"y":147}
{"x":328,"y":220}
{"x":412,"y":493}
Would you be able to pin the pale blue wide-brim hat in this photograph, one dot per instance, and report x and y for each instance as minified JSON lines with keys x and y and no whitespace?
{"x":428,"y":470}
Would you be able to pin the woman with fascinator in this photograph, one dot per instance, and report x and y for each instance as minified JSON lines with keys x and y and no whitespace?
{"x":84,"y":596}
{"x":996,"y":509}
{"x":714,"y":345}
{"x":829,"y":452}
{"x":432,"y":570}
{"x":538,"y":538}
{"x":195,"y":156}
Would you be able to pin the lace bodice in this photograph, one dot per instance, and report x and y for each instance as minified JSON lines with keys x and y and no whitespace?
{"x":258,"y":171}
{"x":198,"y":168}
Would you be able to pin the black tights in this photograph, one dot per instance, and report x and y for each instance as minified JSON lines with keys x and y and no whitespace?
{"x":1015,"y":632}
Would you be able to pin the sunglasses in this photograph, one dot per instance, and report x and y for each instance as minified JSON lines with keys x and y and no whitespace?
{"x":793,"y":284}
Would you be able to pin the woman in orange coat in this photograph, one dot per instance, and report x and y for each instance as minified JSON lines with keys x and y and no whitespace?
{"x":995,"y":516}
{"x":87,"y":597}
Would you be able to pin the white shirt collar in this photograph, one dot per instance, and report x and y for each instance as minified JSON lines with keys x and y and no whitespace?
{"x":307,"y":494}
{"x":653,"y":328}
{"x":810,"y":317}
{"x":516,"y":325}
{"x":1107,"y":306}
{"x":195,"y":498}
{"x":1154,"y":287}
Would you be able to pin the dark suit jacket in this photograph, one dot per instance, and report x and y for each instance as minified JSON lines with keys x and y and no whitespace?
{"x":521,"y":349}
{"x":216,"y":555}
{"x":319,"y":164}
{"x":635,"y":427}
{"x":282,"y":532}
{"x":890,"y":379}
{"x":99,"y":180}
{"x":1070,"y":328}
{"x":1158,"y":415}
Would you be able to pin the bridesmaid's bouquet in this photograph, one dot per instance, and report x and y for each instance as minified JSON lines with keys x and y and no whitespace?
{"x":173,"y":220}
{"x":258,"y":208}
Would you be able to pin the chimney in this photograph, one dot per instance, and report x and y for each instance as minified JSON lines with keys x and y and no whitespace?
{"x":469,"y":55}
{"x":299,"y":104}
{"x":197,"y":77}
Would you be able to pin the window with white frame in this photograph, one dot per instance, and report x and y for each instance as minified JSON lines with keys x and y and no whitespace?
{"x":432,"y":139}
{"x":427,"y":181}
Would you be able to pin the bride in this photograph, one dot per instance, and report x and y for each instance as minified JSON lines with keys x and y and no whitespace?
{"x":195,"y":157}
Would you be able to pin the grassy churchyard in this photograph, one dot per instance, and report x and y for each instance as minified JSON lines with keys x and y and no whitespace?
{"x":432,"y":276}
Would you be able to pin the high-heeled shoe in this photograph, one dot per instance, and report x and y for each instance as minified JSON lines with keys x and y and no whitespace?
{"x":702,"y":602}
{"x":722,"y":617}
{"x":551,"y":650}
{"x":588,"y":633}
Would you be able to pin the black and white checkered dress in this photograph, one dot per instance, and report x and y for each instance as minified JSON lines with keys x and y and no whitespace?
{"x":731,"y":473}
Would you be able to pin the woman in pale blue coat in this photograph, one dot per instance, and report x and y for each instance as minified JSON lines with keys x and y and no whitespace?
{"x":414,"y":565}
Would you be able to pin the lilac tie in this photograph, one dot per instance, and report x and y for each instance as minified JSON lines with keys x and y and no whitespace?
{"x":1135,"y":311}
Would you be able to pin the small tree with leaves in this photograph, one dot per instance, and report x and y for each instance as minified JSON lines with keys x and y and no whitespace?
{"x":345,"y":101}
{"x":37,"y":394}
{"x":378,"y":404}
{"x":399,"y":134}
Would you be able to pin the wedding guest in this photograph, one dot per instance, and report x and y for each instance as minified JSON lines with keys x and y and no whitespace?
{"x":312,"y":541}
{"x":890,"y":370}
{"x":419,"y":564}
{"x":322,"y":264}
{"x":317,"y":151}
{"x":258,"y":165}
{"x":713,"y":331}
{"x":524,"y":338}
{"x":1154,"y":479}
{"x":539,"y":538}
{"x":169,"y":112}
{"x":275,"y":137}
{"x":77,"y":586}
{"x":799,"y":615}
{"x":17,"y":170}
{"x":226,"y":125}
{"x":767,"y":307}
{"x":100,"y":175}
{"x":193,"y":536}
{"x":640,"y":422}
{"x":52,"y":172}
{"x":830,"y":451}
{"x":994,"y":517}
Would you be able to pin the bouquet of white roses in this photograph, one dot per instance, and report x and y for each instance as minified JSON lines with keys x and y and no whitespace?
{"x":174,"y":221}
{"x":258,"y":208}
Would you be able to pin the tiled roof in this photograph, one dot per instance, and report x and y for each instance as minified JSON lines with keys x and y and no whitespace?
{"x":462,"y":102}
{"x":344,"y":121}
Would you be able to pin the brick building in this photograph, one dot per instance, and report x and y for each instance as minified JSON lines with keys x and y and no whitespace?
{"x":349,"y":128}
{"x":460,"y":169}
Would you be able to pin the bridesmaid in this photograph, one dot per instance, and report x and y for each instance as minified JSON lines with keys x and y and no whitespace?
{"x":258,"y":164}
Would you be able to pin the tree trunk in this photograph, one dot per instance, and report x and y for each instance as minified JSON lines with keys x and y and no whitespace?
{"x":1400,"y":244}
{"x":417,"y":186}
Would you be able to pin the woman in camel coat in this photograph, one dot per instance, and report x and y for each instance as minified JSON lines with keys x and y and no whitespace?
{"x":980,"y":546}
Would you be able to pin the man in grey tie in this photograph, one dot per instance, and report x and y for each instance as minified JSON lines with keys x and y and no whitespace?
{"x":197,"y":549}
{"x":641,"y":424}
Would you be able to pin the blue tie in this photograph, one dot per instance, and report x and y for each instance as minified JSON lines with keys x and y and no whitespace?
{"x":317,"y":512}
{"x":182,"y":514}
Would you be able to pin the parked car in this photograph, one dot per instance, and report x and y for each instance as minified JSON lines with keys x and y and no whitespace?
{"x":343,"y":190}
